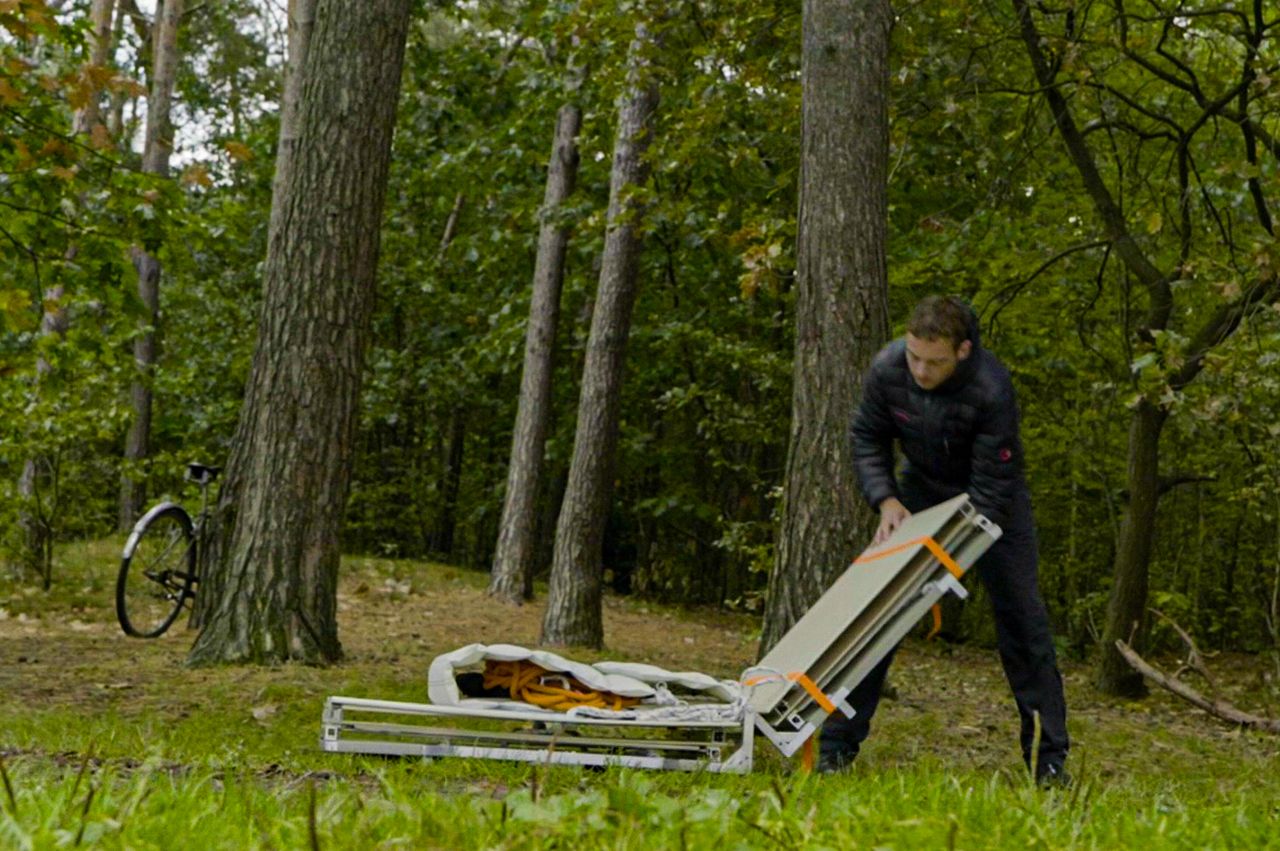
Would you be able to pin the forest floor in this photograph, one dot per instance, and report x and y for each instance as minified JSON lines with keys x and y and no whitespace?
{"x":72,"y":685}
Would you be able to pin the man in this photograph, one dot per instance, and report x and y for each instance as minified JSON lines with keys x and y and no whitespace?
{"x":950,"y":405}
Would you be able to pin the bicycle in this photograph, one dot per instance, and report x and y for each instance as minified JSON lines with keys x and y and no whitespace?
{"x":160,"y":565}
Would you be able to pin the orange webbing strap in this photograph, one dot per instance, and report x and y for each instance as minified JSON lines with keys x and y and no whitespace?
{"x":936,"y":611}
{"x":806,"y":755}
{"x":532,"y":683}
{"x":939,"y":553}
{"x":929,"y":543}
{"x":801,"y":679}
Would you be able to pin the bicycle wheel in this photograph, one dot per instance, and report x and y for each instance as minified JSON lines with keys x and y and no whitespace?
{"x":156,"y":572}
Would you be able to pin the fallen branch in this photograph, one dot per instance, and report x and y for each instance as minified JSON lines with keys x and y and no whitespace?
{"x":1194,"y":661}
{"x":1218,"y":708}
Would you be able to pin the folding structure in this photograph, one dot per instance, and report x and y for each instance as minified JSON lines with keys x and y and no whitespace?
{"x":805,"y":677}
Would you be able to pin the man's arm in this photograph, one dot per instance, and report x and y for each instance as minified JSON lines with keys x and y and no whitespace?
{"x":996,"y":468}
{"x":872,"y":433}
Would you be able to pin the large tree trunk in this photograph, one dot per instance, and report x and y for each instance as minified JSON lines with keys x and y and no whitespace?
{"x":573,"y":614}
{"x":1126,"y":610}
{"x":841,"y":297}
{"x":513,"y":560}
{"x":155,"y":160}
{"x":271,"y":586}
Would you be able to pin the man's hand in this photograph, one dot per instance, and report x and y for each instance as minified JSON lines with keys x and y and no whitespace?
{"x":892,"y":513}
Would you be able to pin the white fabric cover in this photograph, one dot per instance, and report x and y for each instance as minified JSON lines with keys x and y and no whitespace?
{"x":649,"y":683}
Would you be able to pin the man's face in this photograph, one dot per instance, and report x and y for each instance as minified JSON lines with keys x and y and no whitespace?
{"x":933,"y":361}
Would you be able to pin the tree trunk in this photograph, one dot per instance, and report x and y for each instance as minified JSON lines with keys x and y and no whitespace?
{"x":271,"y":582}
{"x":302,"y":18}
{"x":513,"y":560}
{"x":100,"y":34}
{"x":119,"y":96}
{"x":446,"y":523}
{"x":1126,"y":610}
{"x":573,"y":614}
{"x":155,"y":160}
{"x":841,"y":297}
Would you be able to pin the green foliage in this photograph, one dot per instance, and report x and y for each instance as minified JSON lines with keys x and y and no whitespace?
{"x":983,"y":202}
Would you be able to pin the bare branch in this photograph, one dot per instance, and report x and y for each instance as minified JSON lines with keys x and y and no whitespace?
{"x":1221,"y":325}
{"x":1195,"y":660}
{"x":1168,"y":483}
{"x":1220,"y":709}
{"x":1156,"y":282}
{"x":1007,"y":294}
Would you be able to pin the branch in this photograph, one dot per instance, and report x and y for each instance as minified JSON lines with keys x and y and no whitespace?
{"x":1249,"y":75}
{"x":1007,"y":294}
{"x":1220,"y":326}
{"x":1195,"y":661}
{"x":140,"y":23}
{"x":1168,"y":483}
{"x":1113,"y":221}
{"x":450,"y":228}
{"x":1217,"y":708}
{"x":1172,"y":79}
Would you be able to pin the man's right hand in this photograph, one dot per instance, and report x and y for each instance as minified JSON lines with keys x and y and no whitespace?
{"x":892,"y":513}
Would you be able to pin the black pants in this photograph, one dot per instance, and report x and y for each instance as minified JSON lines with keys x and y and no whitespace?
{"x":1009,"y":572}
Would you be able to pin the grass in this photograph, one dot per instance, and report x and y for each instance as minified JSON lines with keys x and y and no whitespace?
{"x":111,"y":742}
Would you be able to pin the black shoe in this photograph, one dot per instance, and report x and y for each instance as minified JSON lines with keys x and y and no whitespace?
{"x":1051,"y":775}
{"x":833,"y":763}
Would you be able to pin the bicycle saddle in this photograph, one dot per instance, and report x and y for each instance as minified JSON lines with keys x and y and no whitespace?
{"x":202,"y":473}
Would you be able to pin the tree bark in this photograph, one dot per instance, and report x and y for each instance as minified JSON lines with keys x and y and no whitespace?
{"x":270,"y":592}
{"x":301,"y":22}
{"x":101,"y":14}
{"x":841,"y":296}
{"x":447,"y":521}
{"x":573,"y":614}
{"x":1126,"y":609}
{"x":513,"y":559}
{"x":155,"y":160}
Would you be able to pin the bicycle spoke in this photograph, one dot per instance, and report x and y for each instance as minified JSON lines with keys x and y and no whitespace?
{"x":176,"y":536}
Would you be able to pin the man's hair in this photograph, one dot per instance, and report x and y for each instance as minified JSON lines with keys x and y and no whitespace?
{"x":940,"y":317}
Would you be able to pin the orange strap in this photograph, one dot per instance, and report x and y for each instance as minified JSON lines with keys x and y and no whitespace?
{"x":939,"y":553}
{"x":801,"y":679}
{"x":936,"y":611}
{"x":933,"y":546}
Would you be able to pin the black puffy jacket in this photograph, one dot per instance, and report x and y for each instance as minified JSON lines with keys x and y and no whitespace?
{"x":962,"y":436}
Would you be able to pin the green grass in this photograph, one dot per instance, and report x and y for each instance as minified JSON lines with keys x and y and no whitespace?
{"x":486,"y":806}
{"x":113,"y":743}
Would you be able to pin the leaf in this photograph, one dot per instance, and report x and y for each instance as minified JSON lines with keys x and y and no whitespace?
{"x":9,"y":96}
{"x":197,"y":175}
{"x":238,"y":151}
{"x":100,"y":137}
{"x":1155,"y":222}
{"x":1143,"y":362}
